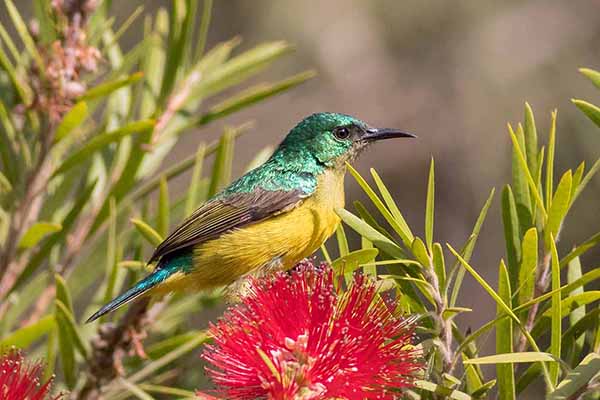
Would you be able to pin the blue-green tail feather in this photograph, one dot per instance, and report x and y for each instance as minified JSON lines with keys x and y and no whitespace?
{"x":160,"y":274}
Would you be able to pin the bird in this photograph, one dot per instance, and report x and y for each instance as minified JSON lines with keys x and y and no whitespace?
{"x":267,"y":220}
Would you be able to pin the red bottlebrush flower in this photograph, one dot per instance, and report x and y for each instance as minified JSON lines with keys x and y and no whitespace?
{"x":20,"y":380}
{"x":295,"y":336}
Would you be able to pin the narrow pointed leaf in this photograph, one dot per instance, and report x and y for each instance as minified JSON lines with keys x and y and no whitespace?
{"x":393,"y":207}
{"x":504,"y":339}
{"x":153,"y":237}
{"x":586,"y":179}
{"x":592,"y":75}
{"x":342,"y":241}
{"x":420,"y":251}
{"x":106,"y":88}
{"x":25,"y":336}
{"x":469,"y":247}
{"x":370,"y":233}
{"x":38,"y":232}
{"x":512,"y":234}
{"x":550,"y":162}
{"x":559,"y":208}
{"x":100,"y":141}
{"x":573,"y":274}
{"x":71,"y":327}
{"x":590,"y":110}
{"x":429,"y":210}
{"x":66,"y":348}
{"x":191,"y":202}
{"x":529,"y":178}
{"x":442,"y":391}
{"x":394,"y":223}
{"x":439,"y":266}
{"x":252,"y":96}
{"x":556,"y":332}
{"x":163,"y":208}
{"x":75,"y":117}
{"x":523,"y":357}
{"x":529,"y":262}
{"x":531,"y":139}
{"x":221,"y":174}
{"x":353,"y":260}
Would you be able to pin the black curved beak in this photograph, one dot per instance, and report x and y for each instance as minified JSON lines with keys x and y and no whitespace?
{"x":374,"y":134}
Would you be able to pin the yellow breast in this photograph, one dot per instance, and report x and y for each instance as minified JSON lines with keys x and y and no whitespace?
{"x":282,"y":240}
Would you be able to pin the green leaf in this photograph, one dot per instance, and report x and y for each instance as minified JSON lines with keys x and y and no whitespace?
{"x":531,"y":182}
{"x":439,"y":265}
{"x":252,"y":96}
{"x":100,"y":141}
{"x":531,"y":139}
{"x":71,"y":327}
{"x":483,"y":391}
{"x":207,"y":6}
{"x":38,"y":232}
{"x":239,"y":68}
{"x":191,"y":202}
{"x":441,"y":390}
{"x":111,"y":252}
{"x":573,"y":274}
{"x":519,"y":180}
{"x":75,"y":117}
{"x":451,"y":312}
{"x":62,"y":292}
{"x":342,"y":241}
{"x":592,"y":75}
{"x":523,"y":357}
{"x":223,"y":163}
{"x":582,"y":248}
{"x":153,"y":237}
{"x":163,"y":208}
{"x":504,"y":339}
{"x":370,"y":233}
{"x":395,"y":224}
{"x":577,"y":379}
{"x":558,"y":209}
{"x":550,"y":162}
{"x":512,"y":234}
{"x":134,"y":389}
{"x":351,"y":261}
{"x":66,"y":348}
{"x":106,"y":88}
{"x":429,"y":209}
{"x":420,"y":252}
{"x":528,"y":267}
{"x":26,"y":38}
{"x":28,"y":334}
{"x":590,"y":110}
{"x":586,"y":179}
{"x":556,"y":332}
{"x":393,"y":207}
{"x":469,"y":247}
{"x":577,"y":177}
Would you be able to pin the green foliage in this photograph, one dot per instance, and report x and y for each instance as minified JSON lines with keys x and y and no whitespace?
{"x":532,"y":302}
{"x":102,"y":200}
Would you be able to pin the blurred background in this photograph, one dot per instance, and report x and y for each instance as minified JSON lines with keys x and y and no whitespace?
{"x":454,"y":73}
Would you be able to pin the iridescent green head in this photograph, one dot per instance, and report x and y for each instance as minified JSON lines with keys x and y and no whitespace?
{"x":333,"y":138}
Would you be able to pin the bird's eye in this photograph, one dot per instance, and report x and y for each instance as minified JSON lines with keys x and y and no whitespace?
{"x":341,"y":133}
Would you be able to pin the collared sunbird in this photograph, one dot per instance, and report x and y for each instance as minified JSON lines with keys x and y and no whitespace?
{"x":267,"y":220}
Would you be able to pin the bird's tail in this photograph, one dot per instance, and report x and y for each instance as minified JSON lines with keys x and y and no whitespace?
{"x":156,"y":277}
